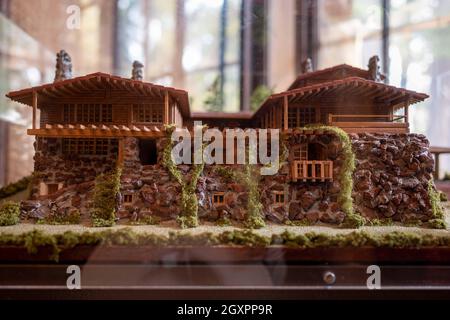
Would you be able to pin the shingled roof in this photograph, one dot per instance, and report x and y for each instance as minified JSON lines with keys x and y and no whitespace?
{"x":342,"y":71}
{"x":98,"y":83}
{"x":338,"y":90}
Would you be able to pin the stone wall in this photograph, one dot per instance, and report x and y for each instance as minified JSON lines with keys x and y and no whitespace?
{"x":310,"y":201}
{"x":392,"y":175}
{"x":154,"y":191}
{"x":234,"y":191}
{"x":390,"y":181}
{"x":51,"y":166}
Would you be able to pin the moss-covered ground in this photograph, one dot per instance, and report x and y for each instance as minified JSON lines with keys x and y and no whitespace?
{"x":169,"y":233}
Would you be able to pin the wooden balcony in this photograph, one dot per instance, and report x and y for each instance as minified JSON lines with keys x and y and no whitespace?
{"x":352,"y":123}
{"x":303,"y":170}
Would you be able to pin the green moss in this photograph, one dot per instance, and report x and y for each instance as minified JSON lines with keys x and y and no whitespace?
{"x":284,"y":150}
{"x":443,"y":196}
{"x":107,"y":186}
{"x":298,"y":223}
{"x":352,"y":219}
{"x":250,"y":178}
{"x":227,"y":173}
{"x":36,"y":239}
{"x":189,"y":201}
{"x":60,"y":218}
{"x":243,"y":238}
{"x":380,"y":222}
{"x":147,"y":220}
{"x":438,"y":220}
{"x":437,"y":224}
{"x":223,"y":222}
{"x":15,"y":187}
{"x":9,"y":213}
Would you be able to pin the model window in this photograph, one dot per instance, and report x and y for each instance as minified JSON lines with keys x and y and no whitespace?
{"x":152,"y":113}
{"x":128,"y":198}
{"x":85,"y":146}
{"x":279,"y":197}
{"x":87,"y":113}
{"x":301,"y":116}
{"x":52,"y":188}
{"x":300,"y":152}
{"x":218,"y":198}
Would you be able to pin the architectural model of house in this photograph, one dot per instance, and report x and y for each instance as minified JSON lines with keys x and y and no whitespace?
{"x":92,"y":124}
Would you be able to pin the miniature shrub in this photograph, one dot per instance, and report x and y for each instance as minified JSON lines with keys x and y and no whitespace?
{"x":223,"y":222}
{"x":345,"y":199}
{"x":189,"y":201}
{"x":250,"y":178}
{"x":15,"y":187}
{"x":70,"y":217}
{"x":147,"y":220}
{"x":107,"y":186}
{"x":438,"y":220}
{"x":9,"y":213}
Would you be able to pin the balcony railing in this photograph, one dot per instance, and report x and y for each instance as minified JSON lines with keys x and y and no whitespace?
{"x":354,"y":123}
{"x":303,"y":170}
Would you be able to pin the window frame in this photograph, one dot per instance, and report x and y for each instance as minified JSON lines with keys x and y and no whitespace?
{"x":85,"y":146}
{"x":87,"y":113}
{"x":126,"y":197}
{"x":148,"y":113}
{"x":279,"y":197}
{"x":216,"y":196}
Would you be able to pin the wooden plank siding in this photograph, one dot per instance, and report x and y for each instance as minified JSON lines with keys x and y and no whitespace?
{"x":122,"y":113}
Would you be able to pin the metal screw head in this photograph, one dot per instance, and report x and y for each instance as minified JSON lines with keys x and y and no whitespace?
{"x":329,"y":277}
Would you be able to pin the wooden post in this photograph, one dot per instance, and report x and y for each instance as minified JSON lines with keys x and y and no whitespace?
{"x":286,"y":109}
{"x":313,"y":170}
{"x":406,"y":111}
{"x":436,"y":166}
{"x":318,"y":116}
{"x":166,"y":108}
{"x":322,"y":174}
{"x":34,"y":109}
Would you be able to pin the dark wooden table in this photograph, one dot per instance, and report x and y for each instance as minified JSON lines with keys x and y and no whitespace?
{"x":225,"y":273}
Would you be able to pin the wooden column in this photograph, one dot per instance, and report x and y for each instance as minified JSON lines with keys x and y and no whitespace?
{"x":166,"y":108}
{"x":406,"y":111}
{"x":286,"y":110}
{"x":34,"y":109}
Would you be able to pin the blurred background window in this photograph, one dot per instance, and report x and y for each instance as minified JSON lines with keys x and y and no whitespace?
{"x":228,"y":54}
